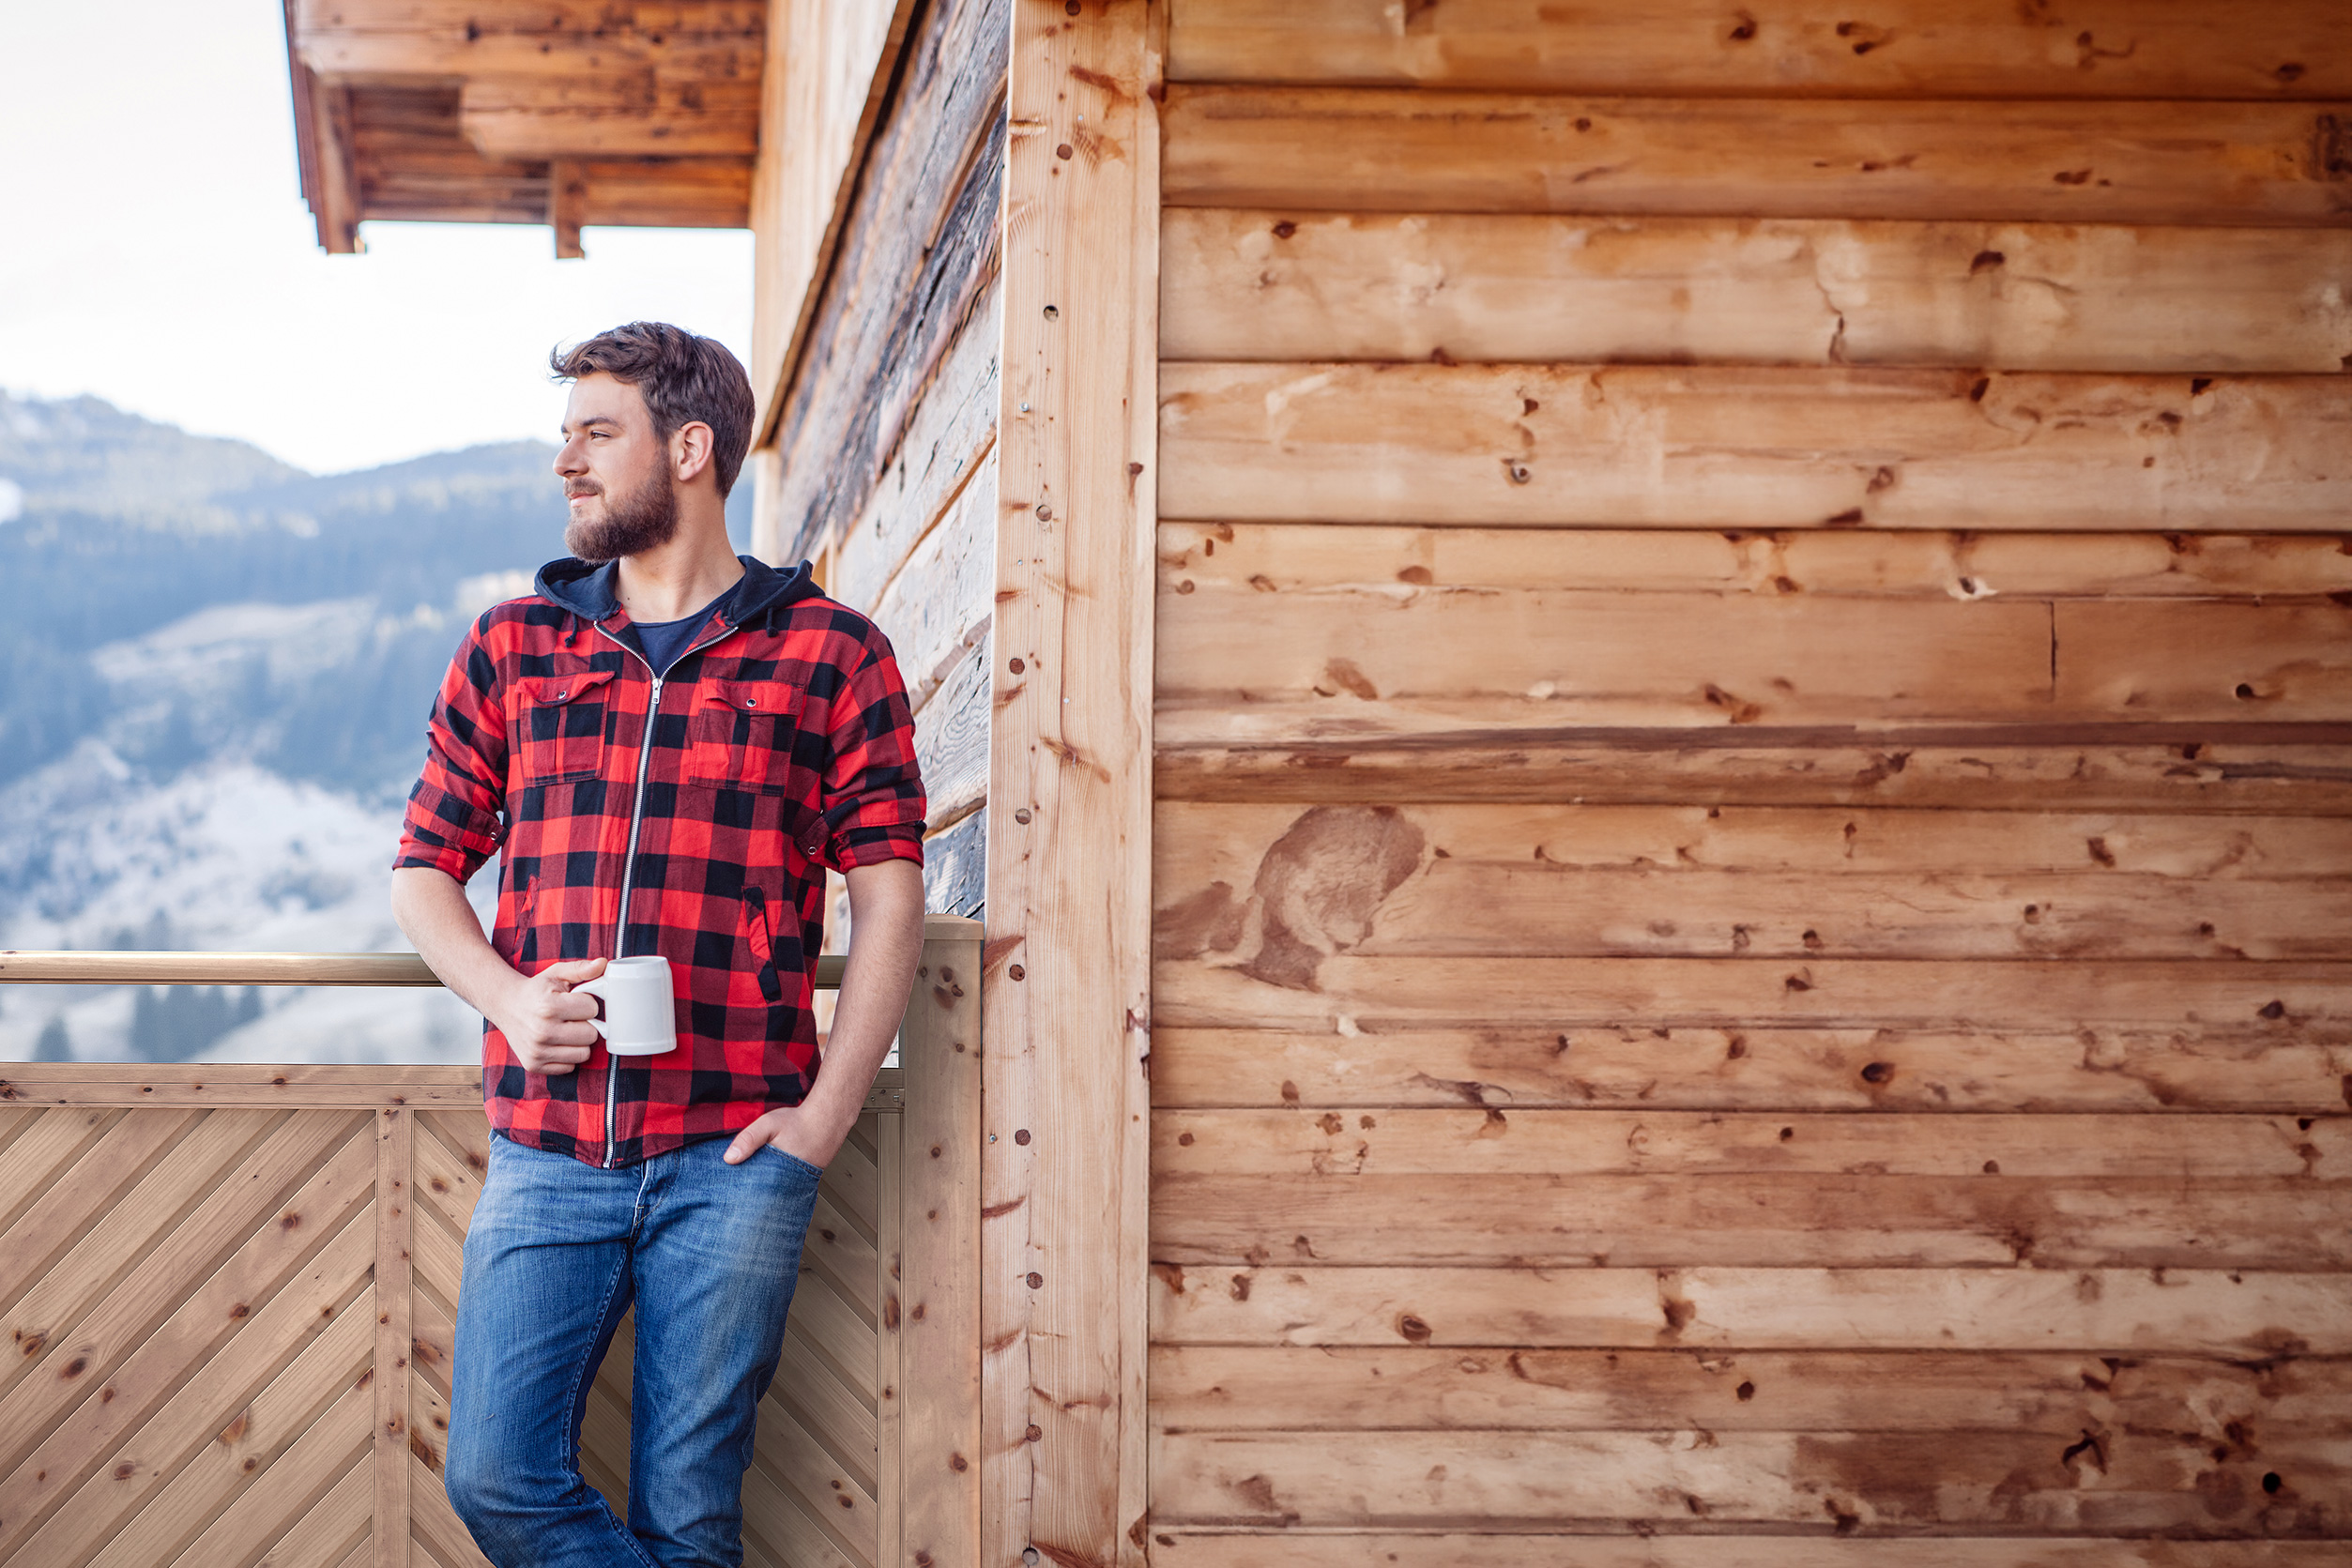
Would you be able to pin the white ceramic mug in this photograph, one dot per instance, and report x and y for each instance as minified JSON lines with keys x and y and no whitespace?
{"x":640,"y":1019}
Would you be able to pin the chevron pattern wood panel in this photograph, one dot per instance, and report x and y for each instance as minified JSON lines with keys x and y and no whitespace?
{"x":189,"y":1297}
{"x":231,"y":1294}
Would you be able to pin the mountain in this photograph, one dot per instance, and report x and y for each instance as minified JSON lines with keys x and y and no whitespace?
{"x":214,"y":679}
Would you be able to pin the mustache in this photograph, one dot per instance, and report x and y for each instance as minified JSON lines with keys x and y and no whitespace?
{"x":574,"y":491}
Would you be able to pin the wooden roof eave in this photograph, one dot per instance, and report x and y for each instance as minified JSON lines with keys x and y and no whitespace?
{"x":393,"y":120}
{"x":322,"y":146}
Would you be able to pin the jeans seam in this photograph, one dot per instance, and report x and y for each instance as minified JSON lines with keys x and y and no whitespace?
{"x":579,"y":1384}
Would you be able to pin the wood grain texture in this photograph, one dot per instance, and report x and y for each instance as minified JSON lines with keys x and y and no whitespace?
{"x":1260,"y":285}
{"x":1067,"y":992}
{"x":175,"y":1496}
{"x":279,"y":1496}
{"x":1685,"y":1480}
{"x":1404,"y":150}
{"x":1246,"y":887}
{"x":952,"y":740}
{"x":2273,"y":1066}
{"x":935,"y":607}
{"x":1229,"y":840}
{"x":1235,"y":1548}
{"x":1254,"y":664}
{"x":892,"y":560}
{"x":1790,"y":1220}
{"x":634,"y":115}
{"x":1872,"y":563}
{"x":1469,"y":1142}
{"x":1243,"y":1547}
{"x":146,"y":1324}
{"x":1380,"y":994}
{"x":214,"y":968}
{"x":955,"y":867}
{"x":91,"y":1085}
{"x":70,"y":1479}
{"x":916,"y":250}
{"x":938,"y":1283}
{"x":825,"y":75}
{"x":705,"y":39}
{"x":2244,"y":1314}
{"x":1752,"y":447}
{"x":395,"y":1226}
{"x":2155,"y":769}
{"x":1327,"y":1387}
{"x":1980,"y":48}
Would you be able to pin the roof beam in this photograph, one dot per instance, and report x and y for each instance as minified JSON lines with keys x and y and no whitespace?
{"x":640,"y":116}
{"x":707,"y":40}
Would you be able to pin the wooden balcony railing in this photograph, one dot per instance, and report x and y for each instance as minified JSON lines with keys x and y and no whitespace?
{"x":231,"y":1289}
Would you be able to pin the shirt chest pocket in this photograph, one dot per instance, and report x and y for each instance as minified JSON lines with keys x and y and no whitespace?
{"x":562,"y":725}
{"x":740,"y":734}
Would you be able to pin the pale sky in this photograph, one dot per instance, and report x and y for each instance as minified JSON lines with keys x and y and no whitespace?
{"x":154,"y":251}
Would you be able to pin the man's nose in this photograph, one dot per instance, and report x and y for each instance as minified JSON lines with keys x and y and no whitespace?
{"x":568,"y":461}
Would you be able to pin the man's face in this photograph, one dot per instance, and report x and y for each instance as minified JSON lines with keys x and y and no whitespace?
{"x":616,"y":473}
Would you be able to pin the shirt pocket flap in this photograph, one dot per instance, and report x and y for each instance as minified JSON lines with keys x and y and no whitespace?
{"x":771,"y":699}
{"x":553,"y":691}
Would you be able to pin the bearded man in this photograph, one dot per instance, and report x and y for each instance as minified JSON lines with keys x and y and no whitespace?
{"x":667,"y":744}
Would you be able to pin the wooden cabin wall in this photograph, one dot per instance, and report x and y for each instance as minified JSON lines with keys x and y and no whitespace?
{"x":881,"y":465}
{"x":1753,"y":848}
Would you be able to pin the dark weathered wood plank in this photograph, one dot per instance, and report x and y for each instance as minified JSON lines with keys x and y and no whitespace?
{"x":917,"y":251}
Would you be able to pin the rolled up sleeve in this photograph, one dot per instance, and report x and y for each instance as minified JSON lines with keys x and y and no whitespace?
{"x":452,"y":823}
{"x":874,"y":802}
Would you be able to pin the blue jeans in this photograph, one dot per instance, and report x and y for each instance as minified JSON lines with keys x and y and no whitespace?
{"x":557,"y":1253}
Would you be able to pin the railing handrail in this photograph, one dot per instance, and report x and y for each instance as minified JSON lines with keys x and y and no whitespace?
{"x":79,"y":966}
{"x":951,"y":962}
{"x":108,"y":967}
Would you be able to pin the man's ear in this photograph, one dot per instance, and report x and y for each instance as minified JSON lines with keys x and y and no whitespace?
{"x":691,"y":446}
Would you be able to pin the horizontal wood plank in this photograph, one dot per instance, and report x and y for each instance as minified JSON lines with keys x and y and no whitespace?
{"x":1267,"y":892}
{"x":1652,"y":446}
{"x":1264,"y":285}
{"x":1204,"y":1387}
{"x":1380,"y":994}
{"x":636,"y":115}
{"x":2289,"y":1069}
{"x":2121,"y":1483}
{"x":2154,"y":769}
{"x":1241,"y":1548}
{"x":1772,"y":563}
{"x":1208,"y":1145}
{"x":1250,"y":666}
{"x":952,"y":740}
{"x":1752,"y":1220}
{"x":1229,"y":841}
{"x":710,"y":39}
{"x":2089,"y":48}
{"x":2235,"y":1313}
{"x":1402,"y":150}
{"x":292,"y":1085}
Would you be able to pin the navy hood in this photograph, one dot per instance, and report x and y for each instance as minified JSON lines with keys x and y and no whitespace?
{"x":587,"y":588}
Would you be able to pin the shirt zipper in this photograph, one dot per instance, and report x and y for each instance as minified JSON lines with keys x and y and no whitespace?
{"x":629,"y":857}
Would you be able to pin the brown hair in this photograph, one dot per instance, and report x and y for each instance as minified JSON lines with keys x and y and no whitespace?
{"x":684,"y":379}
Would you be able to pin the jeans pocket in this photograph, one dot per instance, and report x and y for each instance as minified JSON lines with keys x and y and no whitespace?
{"x":793,"y":1161}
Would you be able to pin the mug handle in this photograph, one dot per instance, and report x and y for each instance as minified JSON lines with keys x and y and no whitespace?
{"x":590,"y":988}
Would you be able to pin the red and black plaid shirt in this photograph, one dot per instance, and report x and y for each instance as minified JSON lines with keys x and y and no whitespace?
{"x":783,"y":745}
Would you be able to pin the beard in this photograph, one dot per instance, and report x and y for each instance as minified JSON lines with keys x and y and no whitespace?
{"x":643,"y":520}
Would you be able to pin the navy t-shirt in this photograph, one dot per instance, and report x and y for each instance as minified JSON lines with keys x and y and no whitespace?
{"x":664,"y":640}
